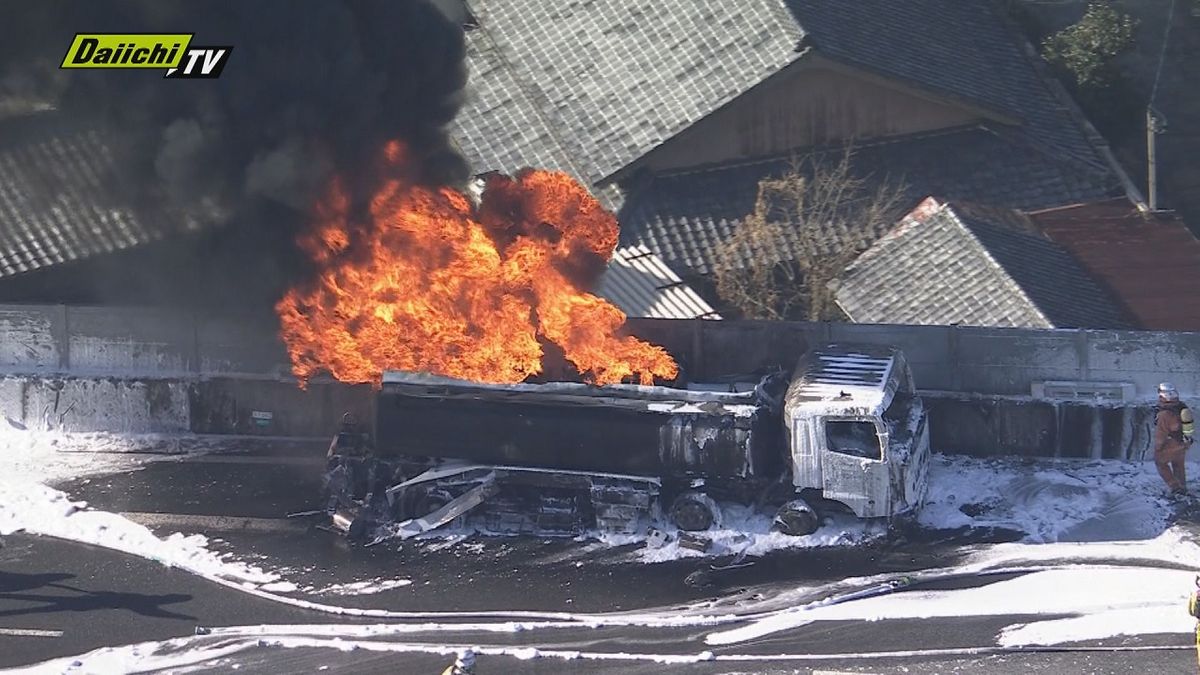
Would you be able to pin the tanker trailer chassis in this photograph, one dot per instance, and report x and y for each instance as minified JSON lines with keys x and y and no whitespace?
{"x":846,"y":431}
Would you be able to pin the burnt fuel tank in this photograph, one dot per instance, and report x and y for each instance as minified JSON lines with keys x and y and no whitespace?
{"x":624,"y":429}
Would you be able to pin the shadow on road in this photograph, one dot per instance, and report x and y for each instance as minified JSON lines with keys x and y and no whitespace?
{"x":11,"y":581}
{"x":73,"y":599}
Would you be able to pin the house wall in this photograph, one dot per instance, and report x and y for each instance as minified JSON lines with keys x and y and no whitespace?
{"x":804,"y":105}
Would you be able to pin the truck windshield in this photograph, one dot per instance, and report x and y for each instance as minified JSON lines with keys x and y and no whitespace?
{"x":854,"y":438}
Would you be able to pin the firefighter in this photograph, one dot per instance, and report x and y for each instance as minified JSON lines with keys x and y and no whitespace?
{"x":1173,"y":432}
{"x":350,"y":440}
{"x":464,"y":664}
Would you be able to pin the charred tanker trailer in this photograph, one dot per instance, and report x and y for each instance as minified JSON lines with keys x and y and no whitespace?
{"x":845,"y":429}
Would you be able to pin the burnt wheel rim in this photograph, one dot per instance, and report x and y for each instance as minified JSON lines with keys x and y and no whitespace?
{"x":797,"y":523}
{"x":692,"y":516}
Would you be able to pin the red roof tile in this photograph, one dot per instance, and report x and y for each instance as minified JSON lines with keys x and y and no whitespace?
{"x":1151,"y":262}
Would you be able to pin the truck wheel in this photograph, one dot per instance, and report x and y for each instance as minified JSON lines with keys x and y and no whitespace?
{"x":694,"y":511}
{"x":796,"y":518}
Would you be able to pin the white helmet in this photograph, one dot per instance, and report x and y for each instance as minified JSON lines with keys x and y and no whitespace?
{"x":1168,"y":392}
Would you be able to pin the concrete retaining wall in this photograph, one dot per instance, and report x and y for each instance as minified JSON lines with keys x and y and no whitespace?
{"x":986,"y":427}
{"x":254,"y":407}
{"x":96,"y":404}
{"x":149,"y":370}
{"x":961,"y":359}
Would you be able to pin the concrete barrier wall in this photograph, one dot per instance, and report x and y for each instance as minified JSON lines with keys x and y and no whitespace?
{"x":122,"y":406}
{"x":140,"y":370}
{"x":139,"y":342}
{"x":134,"y":342}
{"x":223,"y":405}
{"x":983,"y":361}
{"x":147,"y":370}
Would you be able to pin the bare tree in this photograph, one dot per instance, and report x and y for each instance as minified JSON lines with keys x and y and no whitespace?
{"x":807,"y":226}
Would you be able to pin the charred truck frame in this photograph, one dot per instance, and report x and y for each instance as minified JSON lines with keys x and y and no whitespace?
{"x":845,"y":430}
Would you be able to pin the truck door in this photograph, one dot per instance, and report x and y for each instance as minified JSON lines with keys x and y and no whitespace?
{"x":916,"y":483}
{"x":852,"y":465}
{"x":806,"y":460}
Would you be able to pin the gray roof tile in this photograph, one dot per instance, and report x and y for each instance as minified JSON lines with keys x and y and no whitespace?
{"x":57,"y":200}
{"x":971,"y":265}
{"x":612,"y":79}
{"x":682,"y":215}
{"x":603,"y":82}
{"x":638,"y":282}
{"x":959,"y":48}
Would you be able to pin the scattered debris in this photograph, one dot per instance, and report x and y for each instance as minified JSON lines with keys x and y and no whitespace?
{"x":656,"y":538}
{"x":695,"y":542}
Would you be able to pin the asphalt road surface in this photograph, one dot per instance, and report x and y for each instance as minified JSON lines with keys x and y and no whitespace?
{"x":62,"y":599}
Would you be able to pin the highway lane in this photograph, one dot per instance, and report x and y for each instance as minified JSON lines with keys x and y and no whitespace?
{"x":486,"y":573}
{"x":97,"y":597}
{"x":482,"y":574}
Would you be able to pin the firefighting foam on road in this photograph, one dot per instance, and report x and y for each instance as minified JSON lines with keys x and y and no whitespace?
{"x":428,"y":283}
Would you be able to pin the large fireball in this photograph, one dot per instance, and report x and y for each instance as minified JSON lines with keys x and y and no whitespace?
{"x":428,"y":284}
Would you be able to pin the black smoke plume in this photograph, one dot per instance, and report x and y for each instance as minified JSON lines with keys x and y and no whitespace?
{"x":312,"y":88}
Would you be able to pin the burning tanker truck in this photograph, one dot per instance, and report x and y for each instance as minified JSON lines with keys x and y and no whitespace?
{"x":482,"y":292}
{"x":845,"y":430}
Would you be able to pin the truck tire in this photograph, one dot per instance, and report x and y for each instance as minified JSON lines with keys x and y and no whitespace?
{"x":796,"y":518}
{"x":694,"y":511}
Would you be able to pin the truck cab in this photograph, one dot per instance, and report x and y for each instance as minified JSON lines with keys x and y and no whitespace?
{"x":856,"y":430}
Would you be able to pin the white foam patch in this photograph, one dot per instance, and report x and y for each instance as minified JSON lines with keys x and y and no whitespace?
{"x":29,"y":458}
{"x":369,"y":587}
{"x":38,"y":509}
{"x":47,"y":457}
{"x":1101,"y":601}
{"x":1050,"y":500}
{"x":744,"y":530}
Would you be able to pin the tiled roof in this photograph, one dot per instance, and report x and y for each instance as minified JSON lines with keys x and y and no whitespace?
{"x":590,"y":86}
{"x":970,"y":265}
{"x":1151,"y":262}
{"x":640,"y":284}
{"x":56,"y":201}
{"x":611,"y":79}
{"x":604,"y":82}
{"x":959,"y":48}
{"x":57,"y":205}
{"x":499,"y":128}
{"x":682,"y":216}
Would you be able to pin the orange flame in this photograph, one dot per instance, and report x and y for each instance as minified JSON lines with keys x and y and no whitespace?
{"x":429,"y":285}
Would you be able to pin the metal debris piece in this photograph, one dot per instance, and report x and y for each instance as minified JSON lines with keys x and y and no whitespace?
{"x":459,"y":506}
{"x":656,"y":538}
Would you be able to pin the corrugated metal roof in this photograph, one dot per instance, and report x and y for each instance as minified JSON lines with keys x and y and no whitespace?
{"x":642,"y":285}
{"x":1150,"y":262}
